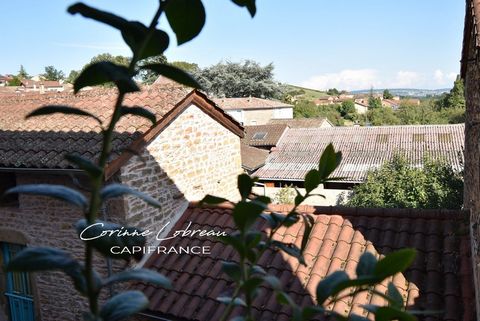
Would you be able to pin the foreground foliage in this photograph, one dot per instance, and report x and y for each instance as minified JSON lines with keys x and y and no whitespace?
{"x":186,"y":18}
{"x":399,"y":185}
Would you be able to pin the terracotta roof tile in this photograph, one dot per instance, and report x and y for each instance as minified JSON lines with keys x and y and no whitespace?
{"x":440,"y":278}
{"x":253,"y":158}
{"x":249,"y":103}
{"x":303,"y":122}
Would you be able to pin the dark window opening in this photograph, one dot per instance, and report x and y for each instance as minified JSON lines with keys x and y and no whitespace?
{"x":7,"y":181}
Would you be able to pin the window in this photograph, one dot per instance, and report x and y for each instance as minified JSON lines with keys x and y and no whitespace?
{"x":17,"y":289}
{"x":7,"y":181}
{"x":259,"y":135}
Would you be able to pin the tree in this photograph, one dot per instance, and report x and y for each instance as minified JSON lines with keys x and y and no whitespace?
{"x":244,"y":79}
{"x":387,"y":94}
{"x":456,"y":97}
{"x":374,"y":102}
{"x":333,"y":92}
{"x":186,"y":66}
{"x":149,"y":76}
{"x":72,"y":76}
{"x":15,"y":81}
{"x":22,"y":73}
{"x":383,"y":116}
{"x":119,"y":60}
{"x":399,"y":185}
{"x":347,"y":110}
{"x":51,"y":73}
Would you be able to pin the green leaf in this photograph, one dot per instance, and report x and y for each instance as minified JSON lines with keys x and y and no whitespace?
{"x":56,"y":191}
{"x":116,"y":190}
{"x":284,"y":298}
{"x":174,"y":73}
{"x":144,"y":275}
{"x":308,"y":221}
{"x":139,"y":111}
{"x":299,"y":198}
{"x":356,"y":317}
{"x":388,"y":313}
{"x":273,"y":281}
{"x":290,"y":249}
{"x":366,"y":264}
{"x":104,"y":238}
{"x":250,"y":4}
{"x":133,"y":32}
{"x":235,"y":302}
{"x":92,"y":169}
{"x":105,"y":71}
{"x":233,"y":270}
{"x":328,"y":286}
{"x":397,"y":299}
{"x":98,"y":15}
{"x":312,"y":180}
{"x":251,"y":284}
{"x":123,"y":305}
{"x":234,"y":239}
{"x":329,"y":161}
{"x":394,"y":263}
{"x":33,"y":259}
{"x":245,"y":184}
{"x":246,"y":213}
{"x":212,"y":200}
{"x":53,"y":109}
{"x":186,"y":17}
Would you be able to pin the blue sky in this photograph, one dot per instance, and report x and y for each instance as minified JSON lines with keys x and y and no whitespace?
{"x":348,"y":44}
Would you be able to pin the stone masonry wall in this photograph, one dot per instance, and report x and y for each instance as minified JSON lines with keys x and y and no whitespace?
{"x":195,"y":155}
{"x":472,"y":155}
{"x":44,"y":221}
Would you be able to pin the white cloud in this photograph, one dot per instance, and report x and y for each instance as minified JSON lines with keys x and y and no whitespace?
{"x":444,"y":79}
{"x":352,"y":79}
{"x":406,"y":79}
{"x":349,"y":79}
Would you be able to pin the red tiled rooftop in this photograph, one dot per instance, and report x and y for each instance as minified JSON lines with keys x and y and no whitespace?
{"x":43,"y":142}
{"x":249,"y":103}
{"x":439,"y":279}
{"x":264,"y":135}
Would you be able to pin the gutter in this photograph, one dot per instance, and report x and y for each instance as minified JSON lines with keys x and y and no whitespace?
{"x":57,"y":171}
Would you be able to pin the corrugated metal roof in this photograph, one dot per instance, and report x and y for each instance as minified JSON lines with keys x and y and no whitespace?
{"x":363,"y":148}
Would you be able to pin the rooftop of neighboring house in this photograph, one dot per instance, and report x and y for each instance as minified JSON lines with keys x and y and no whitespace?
{"x":440,"y":278}
{"x":264,"y":135}
{"x":28,"y":83}
{"x":43,"y":142}
{"x":250,"y":103}
{"x":363,"y":149}
{"x":303,"y":122}
{"x":252,"y":158}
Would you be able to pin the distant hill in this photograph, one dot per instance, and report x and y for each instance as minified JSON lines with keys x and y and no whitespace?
{"x":304,"y":93}
{"x":407,"y":92}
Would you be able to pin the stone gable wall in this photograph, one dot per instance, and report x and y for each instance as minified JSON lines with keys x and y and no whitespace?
{"x":195,"y":155}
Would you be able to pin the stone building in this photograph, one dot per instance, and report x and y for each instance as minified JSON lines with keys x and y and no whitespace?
{"x":470,"y":73}
{"x":173,"y":161}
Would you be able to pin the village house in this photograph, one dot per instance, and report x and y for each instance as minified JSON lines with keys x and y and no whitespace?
{"x":4,"y":80}
{"x":192,"y":150}
{"x":317,"y":122}
{"x":255,"y":111}
{"x":41,"y":86}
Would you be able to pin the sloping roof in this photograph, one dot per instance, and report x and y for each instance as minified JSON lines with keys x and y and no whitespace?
{"x":43,"y":142}
{"x":363,"y":148}
{"x":472,"y":26}
{"x":303,"y":122}
{"x":252,"y":157}
{"x":439,"y":279}
{"x":249,"y":103}
{"x":264,"y":135}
